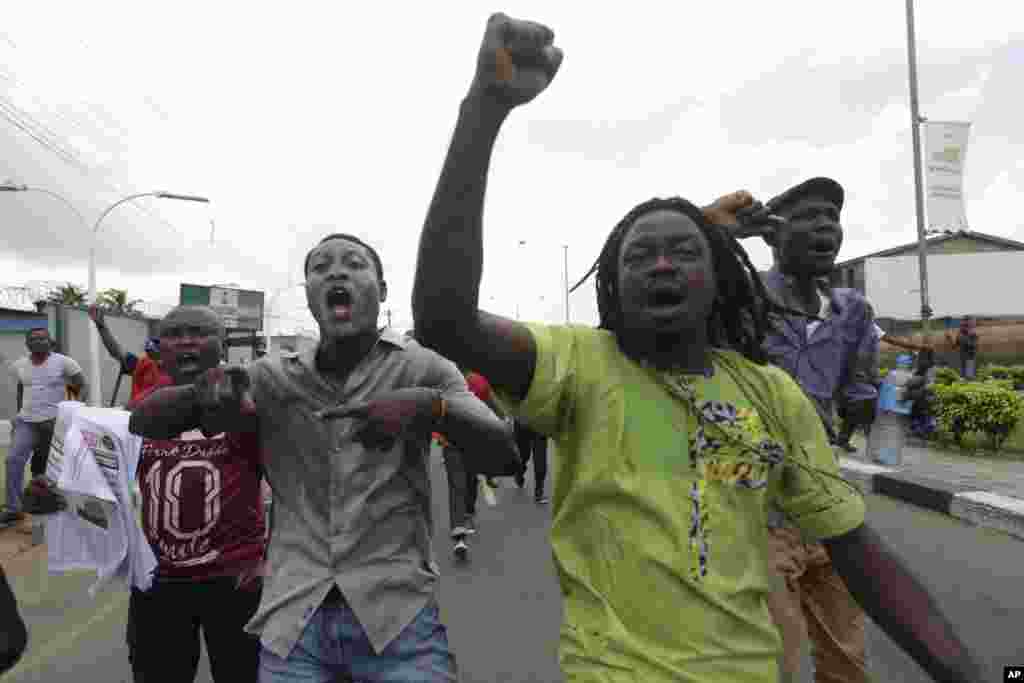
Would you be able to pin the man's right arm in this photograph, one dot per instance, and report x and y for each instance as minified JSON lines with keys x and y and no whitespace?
{"x":516,"y":62}
{"x":113,"y":348}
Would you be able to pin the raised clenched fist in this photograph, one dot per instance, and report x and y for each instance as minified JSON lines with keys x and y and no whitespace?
{"x":742,"y":215}
{"x":517,"y":60}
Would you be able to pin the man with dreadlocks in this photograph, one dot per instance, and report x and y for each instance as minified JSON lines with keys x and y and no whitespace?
{"x":669,"y":448}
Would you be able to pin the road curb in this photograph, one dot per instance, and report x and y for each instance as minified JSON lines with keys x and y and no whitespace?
{"x":980,"y":508}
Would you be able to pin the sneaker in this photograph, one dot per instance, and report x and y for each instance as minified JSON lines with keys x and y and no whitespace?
{"x":10,"y":518}
{"x":459,"y":532}
{"x":461,"y":550}
{"x":541,"y":499}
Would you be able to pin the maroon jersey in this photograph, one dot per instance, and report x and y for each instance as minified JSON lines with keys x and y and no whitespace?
{"x":202,"y":507}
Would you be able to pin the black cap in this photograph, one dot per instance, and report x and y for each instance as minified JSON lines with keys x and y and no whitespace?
{"x":815,"y":187}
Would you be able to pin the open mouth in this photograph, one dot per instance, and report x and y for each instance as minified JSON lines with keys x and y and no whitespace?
{"x":339,"y":303}
{"x":823,"y":244}
{"x":665,"y":299}
{"x":188,"y":362}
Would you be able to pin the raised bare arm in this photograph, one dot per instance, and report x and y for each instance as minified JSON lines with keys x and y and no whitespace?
{"x":516,"y":62}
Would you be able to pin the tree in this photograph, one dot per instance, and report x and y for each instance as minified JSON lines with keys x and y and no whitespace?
{"x":68,"y":294}
{"x":117,"y":301}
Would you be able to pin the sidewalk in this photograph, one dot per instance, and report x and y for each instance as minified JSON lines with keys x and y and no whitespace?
{"x":16,"y":540}
{"x":986,"y":492}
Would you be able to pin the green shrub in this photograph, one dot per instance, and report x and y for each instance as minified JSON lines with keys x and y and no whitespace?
{"x":1017,"y":374}
{"x":993,"y":372}
{"x":989,"y":408}
{"x":946,"y":376}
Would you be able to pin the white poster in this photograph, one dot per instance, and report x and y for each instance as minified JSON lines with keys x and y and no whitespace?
{"x":945,"y":151}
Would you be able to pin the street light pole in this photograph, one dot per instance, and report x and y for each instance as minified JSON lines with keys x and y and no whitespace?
{"x":915,"y":127}
{"x":95,"y":393}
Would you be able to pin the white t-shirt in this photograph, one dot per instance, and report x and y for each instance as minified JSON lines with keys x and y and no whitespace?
{"x":93,"y":460}
{"x":44,"y":385}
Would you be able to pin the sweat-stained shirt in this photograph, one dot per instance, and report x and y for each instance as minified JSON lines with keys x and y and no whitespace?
{"x":662,"y":484}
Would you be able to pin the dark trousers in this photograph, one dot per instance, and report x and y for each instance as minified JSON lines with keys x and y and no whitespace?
{"x":13,"y":634}
{"x":535,"y":446}
{"x":41,"y":452}
{"x":164,"y":624}
{"x":462,"y":487}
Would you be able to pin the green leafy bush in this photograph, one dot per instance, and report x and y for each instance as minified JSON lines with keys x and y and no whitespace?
{"x":946,"y":376}
{"x":1017,"y":374}
{"x":989,"y":408}
{"x":994,"y":372}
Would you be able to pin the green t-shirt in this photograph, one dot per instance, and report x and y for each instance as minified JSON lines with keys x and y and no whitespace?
{"x":659,"y":517}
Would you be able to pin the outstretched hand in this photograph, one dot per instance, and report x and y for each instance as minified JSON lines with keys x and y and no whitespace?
{"x":517,"y":60}
{"x":388,"y":416}
{"x":224,"y":395}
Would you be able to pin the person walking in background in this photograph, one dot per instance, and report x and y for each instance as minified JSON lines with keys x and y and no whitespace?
{"x":967,"y":343}
{"x":533,"y":446}
{"x":145,"y":371}
{"x":43,"y":378}
{"x":463,"y":480}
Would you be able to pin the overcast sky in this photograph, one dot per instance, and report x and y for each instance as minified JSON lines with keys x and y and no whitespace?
{"x":306,"y":120}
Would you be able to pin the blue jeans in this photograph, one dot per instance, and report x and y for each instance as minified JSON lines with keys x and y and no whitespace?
{"x":29,"y":438}
{"x":334,"y":647}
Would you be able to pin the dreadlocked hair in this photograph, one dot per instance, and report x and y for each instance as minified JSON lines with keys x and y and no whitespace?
{"x":739,"y":317}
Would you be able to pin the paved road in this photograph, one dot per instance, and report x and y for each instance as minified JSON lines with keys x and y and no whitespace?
{"x":503,"y":609}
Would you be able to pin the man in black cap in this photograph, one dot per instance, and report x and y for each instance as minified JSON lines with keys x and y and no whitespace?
{"x":832,"y":353}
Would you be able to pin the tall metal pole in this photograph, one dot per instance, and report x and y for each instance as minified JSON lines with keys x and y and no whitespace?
{"x":565,"y":272}
{"x":915,"y":127}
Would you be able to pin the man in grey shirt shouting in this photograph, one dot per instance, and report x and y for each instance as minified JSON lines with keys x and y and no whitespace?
{"x":344,"y":428}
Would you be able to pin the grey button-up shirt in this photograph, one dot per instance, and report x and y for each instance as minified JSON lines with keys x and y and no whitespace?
{"x":345,"y":515}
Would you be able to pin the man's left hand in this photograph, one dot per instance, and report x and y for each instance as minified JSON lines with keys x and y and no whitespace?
{"x":861,"y":413}
{"x":389,"y":416}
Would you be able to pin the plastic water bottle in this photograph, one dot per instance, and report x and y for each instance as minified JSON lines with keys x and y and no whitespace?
{"x":889,"y":433}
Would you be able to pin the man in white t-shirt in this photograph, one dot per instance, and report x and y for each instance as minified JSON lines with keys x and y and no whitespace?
{"x":43,"y":378}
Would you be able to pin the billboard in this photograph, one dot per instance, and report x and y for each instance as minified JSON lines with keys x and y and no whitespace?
{"x":240,"y":309}
{"x":958,"y":284}
{"x":946,"y":152}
